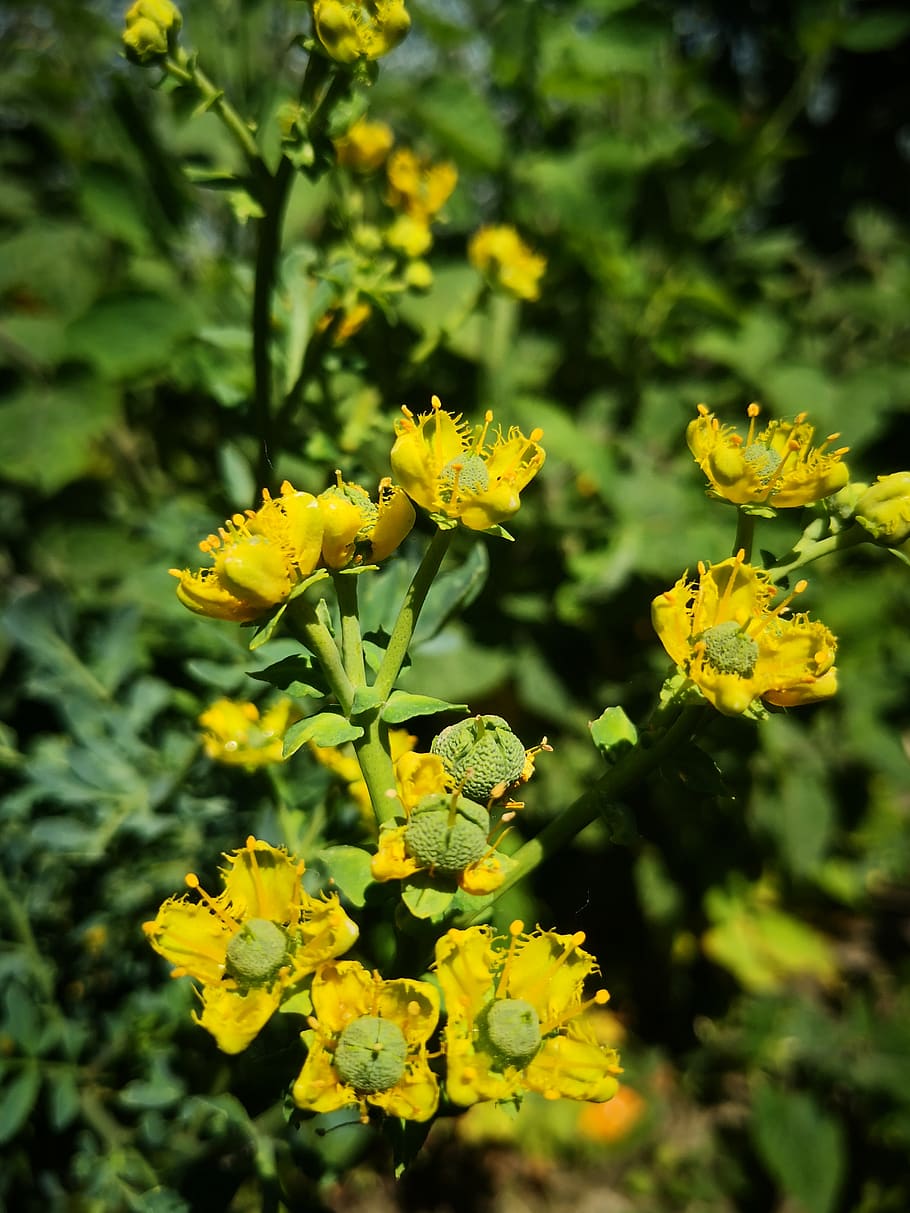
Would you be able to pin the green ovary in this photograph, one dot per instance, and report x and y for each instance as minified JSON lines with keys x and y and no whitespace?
{"x":763,"y":461}
{"x":729,"y":650}
{"x":445,"y":843}
{"x":256,"y":953}
{"x":510,"y":1030}
{"x":370,"y":1054}
{"x":471,"y":473}
{"x":482,"y":754}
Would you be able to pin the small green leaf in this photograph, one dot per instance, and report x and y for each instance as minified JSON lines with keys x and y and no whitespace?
{"x":325,"y":728}
{"x":298,"y":1004}
{"x":424,"y":897}
{"x":62,"y":1100}
{"x":403,"y":705}
{"x":265,"y":631}
{"x":17,"y":1100}
{"x":613,"y":733}
{"x":287,"y":675}
{"x":365,"y":699}
{"x":347,"y":869}
{"x":313,"y":579}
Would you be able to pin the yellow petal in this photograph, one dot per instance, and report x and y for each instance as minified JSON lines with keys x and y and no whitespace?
{"x":413,"y":1005}
{"x":255,"y":570}
{"x":204,"y":593}
{"x":192,"y":938}
{"x":464,"y":964}
{"x":414,"y":1097}
{"x":262,"y":882}
{"x":548,"y":970}
{"x":341,"y":992}
{"x":235,"y":1019}
{"x":318,"y":1087}
{"x":395,"y":521}
{"x":573,"y":1069}
{"x":341,"y":521}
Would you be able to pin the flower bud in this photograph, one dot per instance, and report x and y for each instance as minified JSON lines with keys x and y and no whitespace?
{"x":613,"y":733}
{"x":151,"y":29}
{"x":884,"y":509}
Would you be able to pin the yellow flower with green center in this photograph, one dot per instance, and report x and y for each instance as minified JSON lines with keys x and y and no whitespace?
{"x":518,"y":1019}
{"x":249,"y":947}
{"x":236,"y":734}
{"x":724,"y":635}
{"x":777,"y":466}
{"x":445,"y":834}
{"x":509,"y":265}
{"x":417,"y":186}
{"x":360,"y":29}
{"x":357,"y":529}
{"x":454,"y":472}
{"x":365,"y":146}
{"x":258,"y":558}
{"x":368,"y":1044}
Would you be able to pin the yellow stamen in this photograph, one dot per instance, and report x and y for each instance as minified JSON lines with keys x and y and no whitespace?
{"x":254,"y":871}
{"x":515,"y":930}
{"x":752,"y":412}
{"x":600,"y":999}
{"x":191,"y":880}
{"x":481,"y":438}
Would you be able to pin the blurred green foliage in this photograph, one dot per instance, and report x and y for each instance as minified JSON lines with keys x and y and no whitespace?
{"x":720,"y":199}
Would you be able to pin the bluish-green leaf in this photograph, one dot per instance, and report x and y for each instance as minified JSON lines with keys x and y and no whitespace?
{"x":403,"y":705}
{"x":325,"y":729}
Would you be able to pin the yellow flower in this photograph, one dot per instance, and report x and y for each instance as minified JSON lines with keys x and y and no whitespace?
{"x":418,"y":187}
{"x":354,"y":316}
{"x":365,"y":146}
{"x":453,"y":472}
{"x":445,"y":834}
{"x":500,"y":254}
{"x":778,"y":466}
{"x":234,"y":732}
{"x":253,"y":943}
{"x":884,"y":509}
{"x":258,"y":558}
{"x":723,"y":635}
{"x":360,"y":29}
{"x":409,"y":234}
{"x":356,"y":529}
{"x":517,"y":1018}
{"x":369,"y":1045}
{"x":151,"y":29}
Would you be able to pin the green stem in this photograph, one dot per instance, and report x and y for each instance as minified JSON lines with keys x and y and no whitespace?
{"x":187,"y":71}
{"x":406,"y":622}
{"x":629,"y":770}
{"x":351,"y":639}
{"x":319,"y":640}
{"x":815,"y":549}
{"x":275,"y":197}
{"x":745,"y":533}
{"x":372,"y":750}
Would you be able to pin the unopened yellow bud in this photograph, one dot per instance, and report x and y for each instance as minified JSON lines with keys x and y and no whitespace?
{"x":151,"y":27}
{"x":884,"y":509}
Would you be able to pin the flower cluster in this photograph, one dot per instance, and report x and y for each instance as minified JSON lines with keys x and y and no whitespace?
{"x":261,"y":556}
{"x":457,"y":474}
{"x":235,"y":733}
{"x":727,"y":639}
{"x":777,"y":466}
{"x":250,"y":947}
{"x":500,"y":254}
{"x":353,"y":30}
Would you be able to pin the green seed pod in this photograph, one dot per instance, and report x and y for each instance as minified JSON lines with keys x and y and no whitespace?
{"x":510,"y":1030}
{"x":729,"y":650}
{"x":482,"y":754}
{"x":370,"y":1054}
{"x":256,"y":953}
{"x":444,"y":840}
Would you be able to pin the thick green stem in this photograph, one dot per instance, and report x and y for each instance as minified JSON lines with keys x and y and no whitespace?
{"x":628,"y":771}
{"x":815,"y":549}
{"x":745,"y":533}
{"x":406,"y":622}
{"x":374,"y":757}
{"x":274,"y":201}
{"x":319,"y":640}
